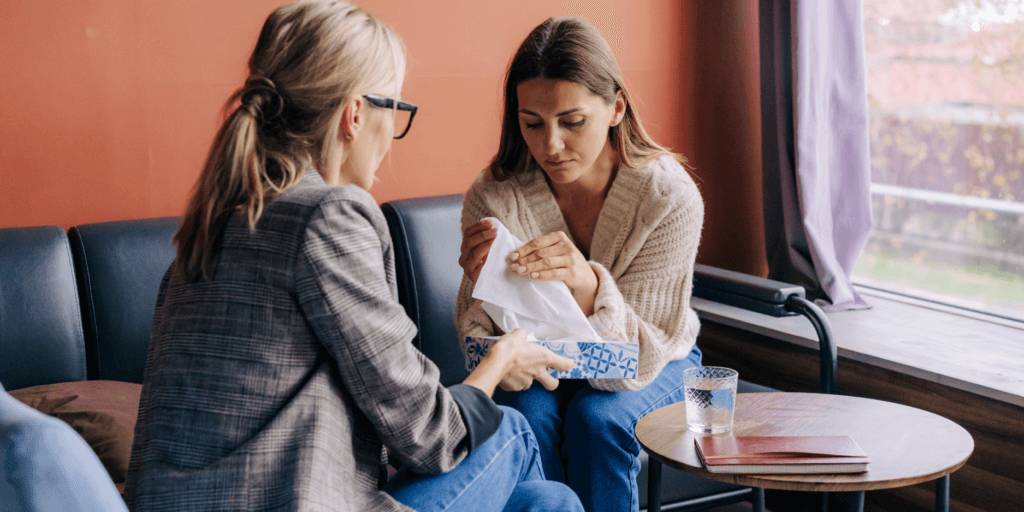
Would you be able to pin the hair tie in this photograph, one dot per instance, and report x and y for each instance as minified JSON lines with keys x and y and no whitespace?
{"x":260,"y":98}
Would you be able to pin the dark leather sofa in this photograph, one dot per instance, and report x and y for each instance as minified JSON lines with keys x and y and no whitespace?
{"x":76,"y":309}
{"x":78,"y":306}
{"x":75,"y":313}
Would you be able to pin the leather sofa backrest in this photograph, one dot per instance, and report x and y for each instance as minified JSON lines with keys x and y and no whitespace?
{"x":119,"y":266}
{"x":427,"y":241}
{"x":41,"y":338}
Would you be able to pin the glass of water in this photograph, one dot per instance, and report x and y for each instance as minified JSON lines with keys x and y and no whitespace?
{"x":710,"y":398}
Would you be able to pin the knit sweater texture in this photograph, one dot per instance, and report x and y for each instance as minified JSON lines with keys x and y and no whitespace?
{"x":643,"y":251}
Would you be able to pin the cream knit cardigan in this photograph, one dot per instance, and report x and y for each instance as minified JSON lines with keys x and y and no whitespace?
{"x":643,"y":252}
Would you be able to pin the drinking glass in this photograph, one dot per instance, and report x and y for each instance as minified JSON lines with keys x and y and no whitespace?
{"x":710,"y":398}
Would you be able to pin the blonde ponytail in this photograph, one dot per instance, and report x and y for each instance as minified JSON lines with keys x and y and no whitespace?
{"x":311,"y":57}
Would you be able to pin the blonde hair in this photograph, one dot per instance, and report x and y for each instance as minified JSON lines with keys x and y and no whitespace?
{"x":311,"y":57}
{"x":571,"y":49}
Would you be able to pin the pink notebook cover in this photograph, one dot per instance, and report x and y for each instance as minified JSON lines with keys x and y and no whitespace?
{"x":781,"y":454}
{"x":774,"y":446}
{"x":779,"y":450}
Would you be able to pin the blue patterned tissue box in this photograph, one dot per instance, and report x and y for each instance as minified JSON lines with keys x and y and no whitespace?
{"x":606,"y":360}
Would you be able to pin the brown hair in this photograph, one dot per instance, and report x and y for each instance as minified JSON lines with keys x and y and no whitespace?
{"x":570,"y":49}
{"x":310,"y":58}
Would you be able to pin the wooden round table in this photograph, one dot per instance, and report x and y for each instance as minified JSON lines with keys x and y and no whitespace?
{"x":906,"y":446}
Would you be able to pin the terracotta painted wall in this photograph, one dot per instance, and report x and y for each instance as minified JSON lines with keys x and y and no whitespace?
{"x":725,"y":132}
{"x":110,"y":105}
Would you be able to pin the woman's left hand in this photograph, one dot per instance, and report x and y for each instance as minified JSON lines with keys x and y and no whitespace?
{"x":554,"y":257}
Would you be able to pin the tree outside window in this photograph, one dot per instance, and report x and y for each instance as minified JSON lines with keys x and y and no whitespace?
{"x":946,"y":99}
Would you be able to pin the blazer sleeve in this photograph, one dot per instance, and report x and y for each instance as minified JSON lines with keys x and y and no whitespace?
{"x":343,"y":288}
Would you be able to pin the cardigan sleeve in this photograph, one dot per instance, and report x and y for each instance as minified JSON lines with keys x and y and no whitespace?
{"x":343,"y":289}
{"x":470,"y":318}
{"x":649,"y":303}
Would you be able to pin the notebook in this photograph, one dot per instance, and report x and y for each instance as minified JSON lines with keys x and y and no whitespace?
{"x":781,"y":454}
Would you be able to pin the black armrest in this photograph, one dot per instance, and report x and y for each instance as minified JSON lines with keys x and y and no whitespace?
{"x":745,"y":291}
{"x":773,"y":298}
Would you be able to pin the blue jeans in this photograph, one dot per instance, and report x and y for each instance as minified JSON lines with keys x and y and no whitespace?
{"x":586,"y":436}
{"x":503,"y":474}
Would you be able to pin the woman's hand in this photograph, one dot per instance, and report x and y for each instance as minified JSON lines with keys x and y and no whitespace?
{"x":514,"y":363}
{"x":476,"y":243}
{"x":528,"y":362}
{"x":554,"y":257}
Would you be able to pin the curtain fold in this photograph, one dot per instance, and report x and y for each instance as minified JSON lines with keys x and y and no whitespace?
{"x":816,"y":167}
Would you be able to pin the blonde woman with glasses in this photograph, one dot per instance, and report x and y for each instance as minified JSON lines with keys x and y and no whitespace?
{"x":280,"y":362}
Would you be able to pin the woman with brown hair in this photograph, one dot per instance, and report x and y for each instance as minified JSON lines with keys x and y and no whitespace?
{"x":280,"y":362}
{"x":617,"y":218}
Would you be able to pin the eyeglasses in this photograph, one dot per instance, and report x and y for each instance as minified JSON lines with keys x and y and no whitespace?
{"x":383,"y":102}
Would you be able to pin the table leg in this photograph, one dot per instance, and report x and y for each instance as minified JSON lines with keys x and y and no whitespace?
{"x":757,"y":499}
{"x":825,"y":502}
{"x":857,"y":501}
{"x":942,"y":494}
{"x":653,"y":486}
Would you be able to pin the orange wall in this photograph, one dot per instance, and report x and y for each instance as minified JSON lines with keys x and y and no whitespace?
{"x":110,"y":105}
{"x":725,"y":130}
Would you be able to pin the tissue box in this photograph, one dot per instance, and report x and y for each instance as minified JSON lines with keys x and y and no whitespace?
{"x":605,"y":360}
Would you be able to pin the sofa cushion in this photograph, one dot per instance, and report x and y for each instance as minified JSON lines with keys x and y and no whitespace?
{"x":102,"y":412}
{"x":41,"y":340}
{"x":119,"y":266}
{"x":427,"y":242}
{"x":45,"y":466}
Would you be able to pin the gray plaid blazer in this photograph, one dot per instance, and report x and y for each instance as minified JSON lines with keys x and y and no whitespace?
{"x":274,"y":384}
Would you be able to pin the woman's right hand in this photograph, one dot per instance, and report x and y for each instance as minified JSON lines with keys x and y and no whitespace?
{"x":476,"y":243}
{"x":529,"y":362}
{"x":514,"y":363}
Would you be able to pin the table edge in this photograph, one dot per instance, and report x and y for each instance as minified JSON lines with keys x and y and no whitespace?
{"x":779,"y":482}
{"x":768,"y":482}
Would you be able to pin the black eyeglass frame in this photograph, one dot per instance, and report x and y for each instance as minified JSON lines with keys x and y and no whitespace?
{"x":385,"y":102}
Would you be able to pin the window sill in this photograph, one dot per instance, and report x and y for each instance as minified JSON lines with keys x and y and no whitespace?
{"x":956,"y":348}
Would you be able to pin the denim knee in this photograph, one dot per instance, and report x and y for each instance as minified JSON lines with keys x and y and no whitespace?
{"x":513,"y":421}
{"x":543,"y":496}
{"x":514,"y":424}
{"x":535,"y":402}
{"x":594,"y":414}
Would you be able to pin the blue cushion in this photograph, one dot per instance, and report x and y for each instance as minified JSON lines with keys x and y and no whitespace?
{"x":120,"y":265}
{"x":41,"y":341}
{"x":46,"y":466}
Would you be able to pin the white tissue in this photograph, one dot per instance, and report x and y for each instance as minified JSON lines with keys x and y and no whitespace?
{"x":545,"y":309}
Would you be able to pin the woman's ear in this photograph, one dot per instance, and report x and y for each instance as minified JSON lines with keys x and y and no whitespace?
{"x":352,"y":119}
{"x":620,"y":110}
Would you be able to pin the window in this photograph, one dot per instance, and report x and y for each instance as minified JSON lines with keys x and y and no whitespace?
{"x":945,"y":82}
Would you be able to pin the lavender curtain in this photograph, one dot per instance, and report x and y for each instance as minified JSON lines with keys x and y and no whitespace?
{"x":816,"y":168}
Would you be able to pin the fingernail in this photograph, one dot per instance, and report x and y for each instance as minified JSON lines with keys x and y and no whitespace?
{"x":514,"y":266}
{"x":534,"y":275}
{"x":522,"y":270}
{"x":515,"y":256}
